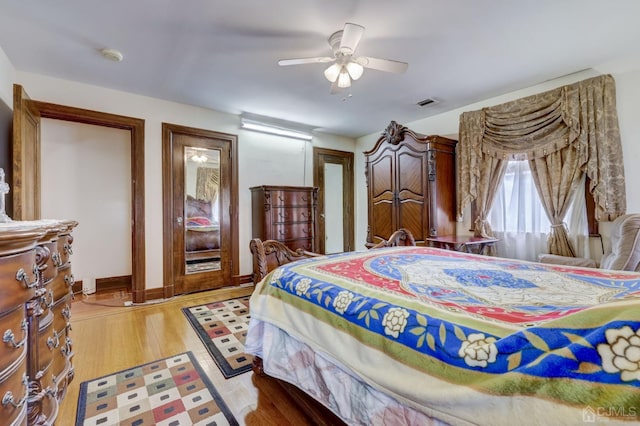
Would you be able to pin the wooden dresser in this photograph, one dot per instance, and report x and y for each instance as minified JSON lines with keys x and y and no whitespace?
{"x":286,"y":214}
{"x":35,"y":310}
{"x":411,"y":183}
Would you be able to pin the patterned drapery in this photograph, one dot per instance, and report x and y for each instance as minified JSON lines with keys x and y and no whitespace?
{"x":207,"y":183}
{"x":563,"y":133}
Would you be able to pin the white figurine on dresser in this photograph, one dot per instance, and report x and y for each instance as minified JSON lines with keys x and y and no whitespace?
{"x":4,"y":190}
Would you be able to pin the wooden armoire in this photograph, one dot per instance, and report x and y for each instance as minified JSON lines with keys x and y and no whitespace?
{"x":411,"y":183}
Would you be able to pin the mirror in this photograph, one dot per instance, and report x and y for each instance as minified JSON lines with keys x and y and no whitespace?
{"x":202,"y":210}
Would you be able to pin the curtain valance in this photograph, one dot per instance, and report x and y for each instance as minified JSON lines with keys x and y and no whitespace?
{"x":581,"y":117}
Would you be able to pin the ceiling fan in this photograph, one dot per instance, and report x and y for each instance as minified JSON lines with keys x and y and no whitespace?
{"x":347,"y":67}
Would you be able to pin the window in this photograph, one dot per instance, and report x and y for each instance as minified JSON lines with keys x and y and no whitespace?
{"x":520,"y":222}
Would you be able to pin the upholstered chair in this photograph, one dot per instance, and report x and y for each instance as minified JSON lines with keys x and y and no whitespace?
{"x":625,"y":248}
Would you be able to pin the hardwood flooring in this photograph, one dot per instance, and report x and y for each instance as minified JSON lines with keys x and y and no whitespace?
{"x":109,"y":337}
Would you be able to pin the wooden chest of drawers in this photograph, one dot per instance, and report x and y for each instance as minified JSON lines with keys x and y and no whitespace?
{"x":286,"y":214}
{"x":35,"y":310}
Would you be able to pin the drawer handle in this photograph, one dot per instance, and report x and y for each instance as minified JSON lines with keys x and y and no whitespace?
{"x":70,"y":280}
{"x":53,"y":342}
{"x":280,"y":197}
{"x":10,"y":338}
{"x":67,"y":248}
{"x":306,"y":231}
{"x":284,"y":215}
{"x":67,"y":349}
{"x":48,"y":304}
{"x":305,"y":214}
{"x":281,"y":232}
{"x":66,"y":312}
{"x":21,"y":275}
{"x":57,"y":259}
{"x":8,"y":398}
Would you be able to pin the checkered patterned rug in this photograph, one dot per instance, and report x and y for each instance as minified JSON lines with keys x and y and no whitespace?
{"x":171,"y":391}
{"x":222,"y":327}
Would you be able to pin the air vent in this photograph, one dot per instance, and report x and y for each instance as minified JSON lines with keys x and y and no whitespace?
{"x":427,"y":101}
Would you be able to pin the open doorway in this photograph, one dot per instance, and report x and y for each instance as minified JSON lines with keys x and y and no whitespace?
{"x":26,"y":187}
{"x":333,"y":175}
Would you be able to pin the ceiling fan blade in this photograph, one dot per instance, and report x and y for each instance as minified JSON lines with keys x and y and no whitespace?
{"x":382,"y":64}
{"x":351,"y":35}
{"x":301,"y":61}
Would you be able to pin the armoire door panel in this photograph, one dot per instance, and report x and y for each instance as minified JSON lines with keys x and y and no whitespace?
{"x":381,"y":177}
{"x":411,"y":216}
{"x":409,"y":171}
{"x":384,"y":220}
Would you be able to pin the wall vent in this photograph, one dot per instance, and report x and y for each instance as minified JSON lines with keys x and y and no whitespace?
{"x":427,"y":101}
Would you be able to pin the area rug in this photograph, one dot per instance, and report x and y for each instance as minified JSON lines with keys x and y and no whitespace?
{"x":222,"y":327}
{"x":172,"y":391}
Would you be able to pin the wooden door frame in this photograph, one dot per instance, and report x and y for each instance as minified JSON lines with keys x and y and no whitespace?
{"x":135,"y":126}
{"x":320,"y":157}
{"x":167,"y":199}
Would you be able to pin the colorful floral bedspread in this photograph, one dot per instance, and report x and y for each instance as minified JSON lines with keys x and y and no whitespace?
{"x":569,"y":337}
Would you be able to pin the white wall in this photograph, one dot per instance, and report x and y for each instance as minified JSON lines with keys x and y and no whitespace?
{"x":626,"y":72}
{"x":262,"y":159}
{"x":7,"y":77}
{"x":87,"y":177}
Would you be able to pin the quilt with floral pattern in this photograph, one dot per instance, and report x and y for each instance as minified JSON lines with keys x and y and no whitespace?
{"x":479,"y":328}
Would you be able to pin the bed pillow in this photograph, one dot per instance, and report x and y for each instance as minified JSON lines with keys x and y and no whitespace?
{"x":198,"y":221}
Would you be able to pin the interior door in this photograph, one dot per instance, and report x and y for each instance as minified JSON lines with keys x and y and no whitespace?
{"x":200,"y":195}
{"x":333,"y":175}
{"x":26,"y":157}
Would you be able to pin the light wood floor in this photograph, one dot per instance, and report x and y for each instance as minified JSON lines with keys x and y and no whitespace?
{"x":109,"y":337}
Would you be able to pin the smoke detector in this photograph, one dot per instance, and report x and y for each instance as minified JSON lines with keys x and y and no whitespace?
{"x":112,"y":55}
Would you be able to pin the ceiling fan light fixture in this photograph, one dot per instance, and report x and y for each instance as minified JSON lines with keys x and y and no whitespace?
{"x":343,"y":79}
{"x":355,"y":70}
{"x":332,"y":72}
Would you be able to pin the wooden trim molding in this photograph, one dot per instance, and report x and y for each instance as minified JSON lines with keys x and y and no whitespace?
{"x":136,"y":128}
{"x":321,"y":156}
{"x":169,"y":192}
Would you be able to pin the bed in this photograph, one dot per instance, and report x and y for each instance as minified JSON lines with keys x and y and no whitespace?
{"x":202,"y":231}
{"x":417,"y":335}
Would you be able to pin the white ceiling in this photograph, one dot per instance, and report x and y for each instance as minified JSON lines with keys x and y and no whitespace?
{"x":222,"y":54}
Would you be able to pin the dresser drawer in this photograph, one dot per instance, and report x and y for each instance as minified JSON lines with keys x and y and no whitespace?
{"x":292,"y":214}
{"x":64,"y":249}
{"x":292,"y":230}
{"x":49,"y":266}
{"x":61,"y":284}
{"x":13,"y":328}
{"x":302,"y":243}
{"x":61,"y":311}
{"x":17,"y":272}
{"x":47,"y":343}
{"x":290,"y":198}
{"x":14,"y":388}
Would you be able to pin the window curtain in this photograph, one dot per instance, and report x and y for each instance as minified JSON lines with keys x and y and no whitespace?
{"x":563,"y":133}
{"x":518,"y":218}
